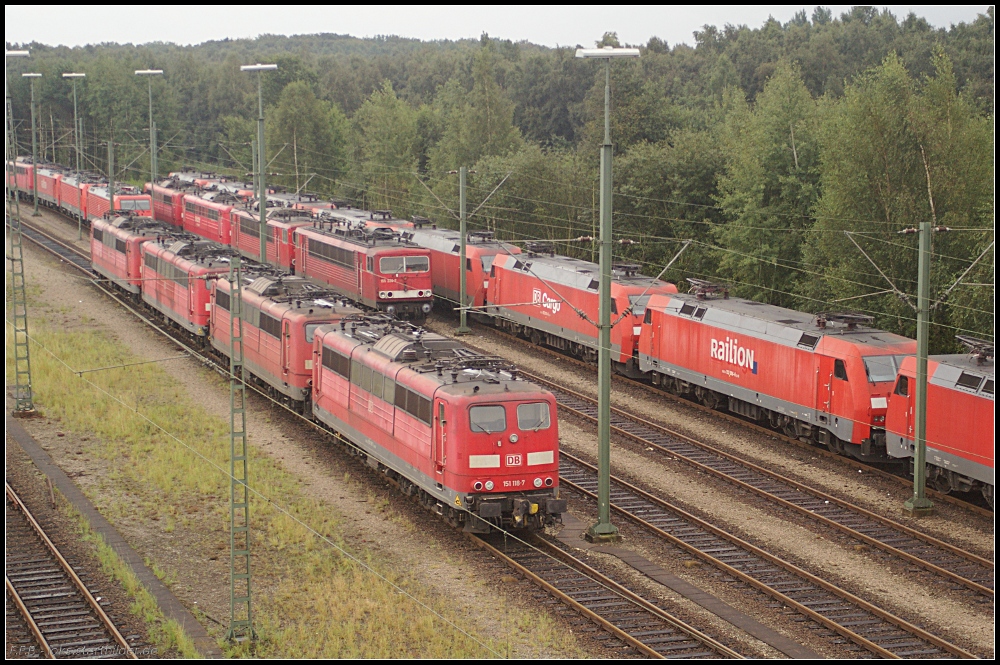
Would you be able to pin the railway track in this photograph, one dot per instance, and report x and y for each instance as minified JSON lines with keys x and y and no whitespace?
{"x":59,"y":616}
{"x":902,"y":542}
{"x":906,"y":482}
{"x":853,"y":618}
{"x":633,"y":620}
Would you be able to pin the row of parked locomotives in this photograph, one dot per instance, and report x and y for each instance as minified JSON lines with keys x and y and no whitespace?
{"x":79,"y":194}
{"x":373,"y":265}
{"x":461,"y":431}
{"x":828,"y":379}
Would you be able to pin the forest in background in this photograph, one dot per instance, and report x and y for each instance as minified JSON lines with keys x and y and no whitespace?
{"x":791,"y":155}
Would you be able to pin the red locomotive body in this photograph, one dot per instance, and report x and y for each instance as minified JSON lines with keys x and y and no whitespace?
{"x":73,"y":189}
{"x":818,"y":379}
{"x":456,"y":427}
{"x":374,"y":267}
{"x":176,"y":271}
{"x":960,"y":444}
{"x":480,"y":251}
{"x":168,"y":204}
{"x":554,"y":301}
{"x":22,"y":174}
{"x":115,"y":250}
{"x":49,"y":177}
{"x":127,"y":199}
{"x":281,"y":225}
{"x":207,"y":218}
{"x":280,"y":316}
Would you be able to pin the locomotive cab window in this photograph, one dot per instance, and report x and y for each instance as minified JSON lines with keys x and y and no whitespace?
{"x":882,"y":368}
{"x":390,"y":264}
{"x":488,"y":419}
{"x":311,"y":331}
{"x":638,"y":304}
{"x":903,"y":387}
{"x":533,"y":417}
{"x":840,"y":370}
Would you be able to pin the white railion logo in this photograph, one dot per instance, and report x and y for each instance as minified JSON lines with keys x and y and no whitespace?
{"x":731,"y":352}
{"x":538,"y":297}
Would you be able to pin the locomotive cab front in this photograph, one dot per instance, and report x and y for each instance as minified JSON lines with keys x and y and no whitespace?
{"x":503,"y":442}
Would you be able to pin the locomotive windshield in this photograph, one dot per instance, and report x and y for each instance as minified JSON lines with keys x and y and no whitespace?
{"x":882,"y":368}
{"x":133,"y":204}
{"x":388,"y":265}
{"x":488,"y":419}
{"x":533,"y":416}
{"x":638,"y":304}
{"x":311,"y":330}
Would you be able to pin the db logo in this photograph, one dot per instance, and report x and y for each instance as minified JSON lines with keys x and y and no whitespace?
{"x":538,"y":297}
{"x":513,"y":460}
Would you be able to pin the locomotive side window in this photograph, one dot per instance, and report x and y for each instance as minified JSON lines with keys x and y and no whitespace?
{"x":533,"y":416}
{"x":903,"y":387}
{"x":840,"y":370}
{"x":270,"y":325}
{"x":389,"y":390}
{"x":376,"y":390}
{"x":249,"y":226}
{"x":468,"y":265}
{"x":311,"y":331}
{"x":649,"y":316}
{"x":488,"y":419}
{"x":970,"y":381}
{"x":336,"y":362}
{"x":366,"y":379}
{"x":98,"y":235}
{"x":331,"y":254}
{"x":356,"y":373}
{"x":222,"y":300}
{"x":150,"y":261}
{"x":371,"y":264}
{"x":614,"y":306}
{"x":120,"y":245}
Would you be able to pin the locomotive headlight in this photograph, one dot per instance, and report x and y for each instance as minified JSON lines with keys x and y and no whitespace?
{"x":548,"y":482}
{"x":426,"y":308}
{"x":538,"y":482}
{"x":381,"y":294}
{"x":478,"y":486}
{"x":489,"y":484}
{"x":513,"y":438}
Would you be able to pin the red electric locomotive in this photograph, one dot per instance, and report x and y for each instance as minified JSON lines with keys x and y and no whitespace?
{"x":49,"y":176}
{"x":457,"y":428}
{"x":960,"y":444}
{"x":208,"y":218}
{"x":73,"y":189}
{"x":115,"y":250}
{"x":281,"y":314}
{"x":825,"y":378}
{"x":168,"y":202}
{"x":281,"y":225}
{"x":481,"y":248}
{"x":375,"y":267}
{"x":127,"y":199}
{"x":553,"y":300}
{"x":176,"y":271}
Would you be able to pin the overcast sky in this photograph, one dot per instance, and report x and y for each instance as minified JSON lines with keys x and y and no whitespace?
{"x":139,"y":24}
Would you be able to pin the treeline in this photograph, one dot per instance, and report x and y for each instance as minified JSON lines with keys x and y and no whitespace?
{"x":791,"y":155}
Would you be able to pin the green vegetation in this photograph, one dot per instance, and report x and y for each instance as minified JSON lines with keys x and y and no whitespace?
{"x":166,"y":634}
{"x":312,"y":598}
{"x":764,"y":145}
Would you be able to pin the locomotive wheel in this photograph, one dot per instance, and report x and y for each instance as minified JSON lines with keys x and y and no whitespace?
{"x":536,"y":338}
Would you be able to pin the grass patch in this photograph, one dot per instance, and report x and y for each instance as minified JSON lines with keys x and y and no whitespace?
{"x":311,"y":600}
{"x":165,"y":633}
